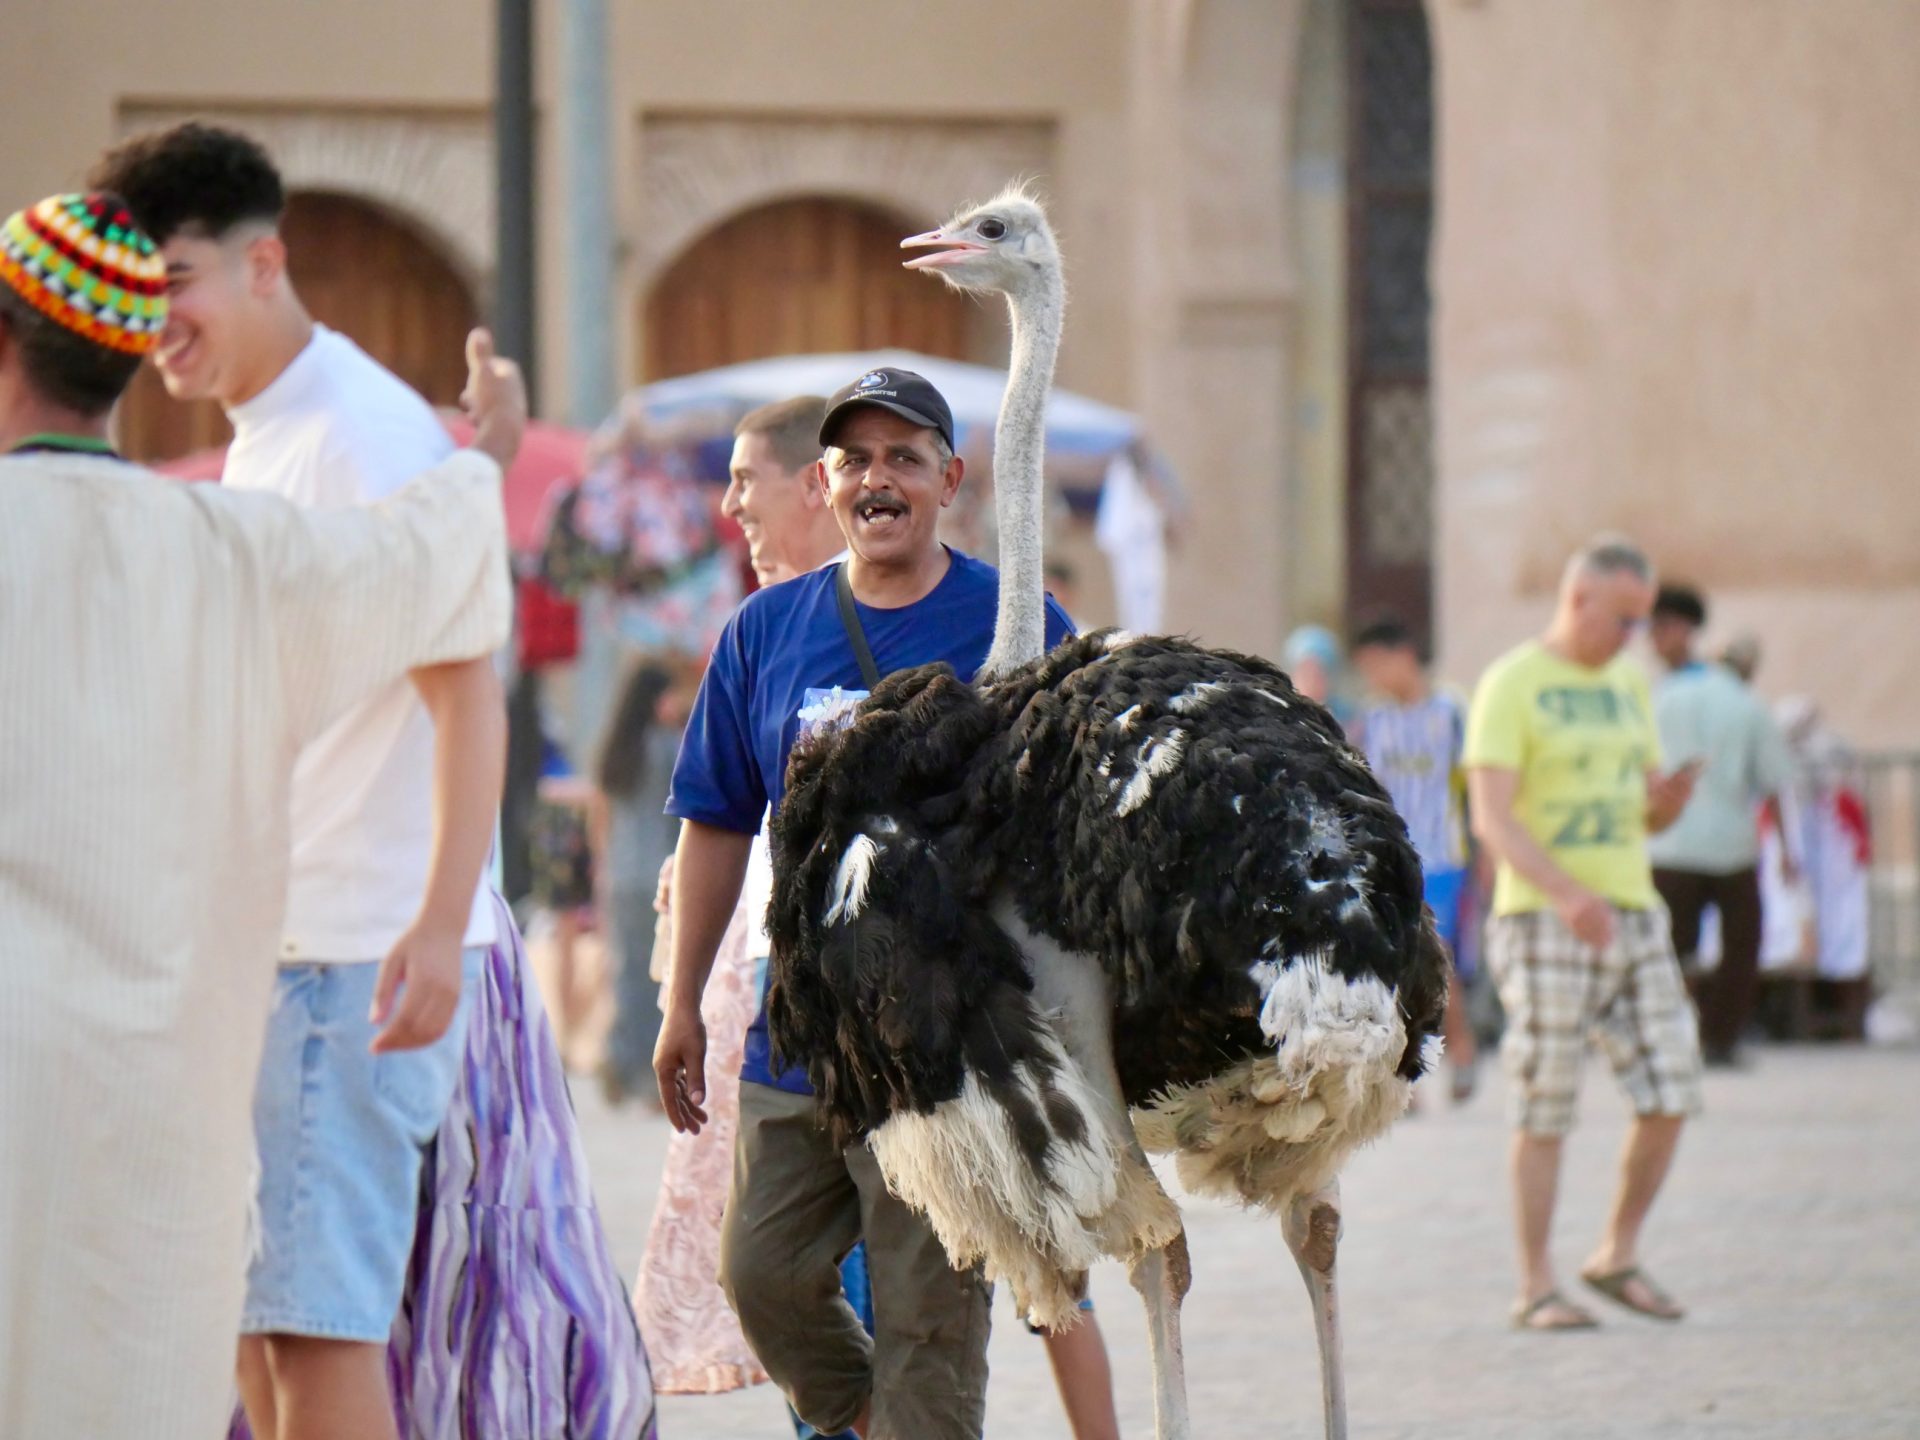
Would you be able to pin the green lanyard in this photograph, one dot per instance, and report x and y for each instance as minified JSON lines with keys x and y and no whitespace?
{"x":67,"y":444}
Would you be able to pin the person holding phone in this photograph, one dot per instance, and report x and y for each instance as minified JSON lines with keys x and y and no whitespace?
{"x":1566,"y":782}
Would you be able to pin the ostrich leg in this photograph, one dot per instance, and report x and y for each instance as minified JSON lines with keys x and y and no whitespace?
{"x":1162,"y":1277}
{"x":1312,"y":1226}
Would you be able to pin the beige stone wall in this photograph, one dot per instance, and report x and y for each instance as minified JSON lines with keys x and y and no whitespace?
{"x":1673,"y":264}
{"x":1214,"y":296}
{"x":1157,"y":129}
{"x":965,"y":74}
{"x":1316,"y":530}
{"x":1676,"y":290}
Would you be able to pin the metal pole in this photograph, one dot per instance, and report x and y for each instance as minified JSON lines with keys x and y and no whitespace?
{"x":588,"y":214}
{"x":513,"y":332}
{"x":513,"y":302}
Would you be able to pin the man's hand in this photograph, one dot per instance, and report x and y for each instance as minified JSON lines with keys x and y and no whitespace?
{"x":1667,"y":795}
{"x":424,"y":966}
{"x":1589,"y":917}
{"x":710,"y":866}
{"x":495,"y":400}
{"x":680,"y":1065}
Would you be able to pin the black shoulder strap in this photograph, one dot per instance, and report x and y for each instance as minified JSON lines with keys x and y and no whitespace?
{"x":850,"y":618}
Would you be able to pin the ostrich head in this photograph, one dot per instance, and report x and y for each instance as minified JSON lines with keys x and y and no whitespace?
{"x":1005,"y":247}
{"x":1002,"y":247}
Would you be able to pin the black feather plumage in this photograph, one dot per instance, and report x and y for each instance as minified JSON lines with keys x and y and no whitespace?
{"x":1177,"y":812}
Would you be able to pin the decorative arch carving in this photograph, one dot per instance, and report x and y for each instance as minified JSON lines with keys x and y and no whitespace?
{"x":698,"y":171}
{"x":432,"y":171}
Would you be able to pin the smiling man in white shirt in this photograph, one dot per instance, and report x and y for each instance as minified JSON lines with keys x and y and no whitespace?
{"x":393,"y":812}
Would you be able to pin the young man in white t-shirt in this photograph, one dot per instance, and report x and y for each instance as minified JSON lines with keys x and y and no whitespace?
{"x":393,"y":814}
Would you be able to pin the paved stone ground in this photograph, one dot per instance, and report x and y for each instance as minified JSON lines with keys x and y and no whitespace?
{"x":1791,"y":1227}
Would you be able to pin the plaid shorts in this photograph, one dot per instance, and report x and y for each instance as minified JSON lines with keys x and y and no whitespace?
{"x":1558,"y":991}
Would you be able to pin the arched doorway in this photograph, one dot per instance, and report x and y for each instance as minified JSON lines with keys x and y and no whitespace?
{"x":800,"y":276}
{"x":359,"y":270}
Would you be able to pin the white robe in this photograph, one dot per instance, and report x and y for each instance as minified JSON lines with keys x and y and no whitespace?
{"x":1131,"y":528}
{"x":165,"y":650}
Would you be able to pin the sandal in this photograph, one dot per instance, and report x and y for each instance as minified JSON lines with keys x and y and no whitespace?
{"x":1528,"y":1317}
{"x":1613,"y":1284}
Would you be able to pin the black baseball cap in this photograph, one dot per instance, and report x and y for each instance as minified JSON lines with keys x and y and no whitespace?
{"x":906,"y":394}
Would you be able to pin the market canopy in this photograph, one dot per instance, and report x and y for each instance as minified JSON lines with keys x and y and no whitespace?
{"x":1077,"y":428}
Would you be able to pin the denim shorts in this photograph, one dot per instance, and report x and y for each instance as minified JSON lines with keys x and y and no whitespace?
{"x":341,"y":1135}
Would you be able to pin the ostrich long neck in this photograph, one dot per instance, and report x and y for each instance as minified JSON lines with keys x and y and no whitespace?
{"x":1019,"y":445}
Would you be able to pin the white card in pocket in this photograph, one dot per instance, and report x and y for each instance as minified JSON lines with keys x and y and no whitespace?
{"x":821,"y":708}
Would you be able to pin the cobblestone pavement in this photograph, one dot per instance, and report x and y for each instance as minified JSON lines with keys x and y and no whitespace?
{"x":1791,"y":1227}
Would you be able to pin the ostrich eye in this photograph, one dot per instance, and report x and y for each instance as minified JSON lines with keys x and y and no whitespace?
{"x":991,"y":229}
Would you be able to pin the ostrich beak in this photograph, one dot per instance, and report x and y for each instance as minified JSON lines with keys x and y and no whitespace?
{"x":957,"y":249}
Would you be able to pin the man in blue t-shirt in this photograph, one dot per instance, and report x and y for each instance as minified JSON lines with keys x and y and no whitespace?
{"x":784,"y":662}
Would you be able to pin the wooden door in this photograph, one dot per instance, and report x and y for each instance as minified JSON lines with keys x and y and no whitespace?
{"x":361,"y":272}
{"x":798,"y":277}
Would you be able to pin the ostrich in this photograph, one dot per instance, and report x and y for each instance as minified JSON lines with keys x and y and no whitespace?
{"x":1132,"y":895}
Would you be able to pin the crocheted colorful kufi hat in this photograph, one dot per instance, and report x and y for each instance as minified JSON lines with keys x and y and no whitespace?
{"x":81,"y":261}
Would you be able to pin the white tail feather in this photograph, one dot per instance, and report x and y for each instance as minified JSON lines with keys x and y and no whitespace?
{"x":1277,"y":1126}
{"x":851,"y":878}
{"x":1037,"y":1230}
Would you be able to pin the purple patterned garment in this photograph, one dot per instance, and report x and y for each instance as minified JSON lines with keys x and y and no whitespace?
{"x":515,"y":1324}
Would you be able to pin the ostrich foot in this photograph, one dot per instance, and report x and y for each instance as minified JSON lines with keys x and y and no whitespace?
{"x":1312,"y":1227}
{"x":1162,"y":1277}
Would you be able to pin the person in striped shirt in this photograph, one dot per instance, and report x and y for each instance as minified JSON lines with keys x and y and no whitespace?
{"x":1413,"y":735}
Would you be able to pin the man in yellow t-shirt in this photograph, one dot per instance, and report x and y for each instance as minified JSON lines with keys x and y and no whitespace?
{"x":1564,"y":775}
